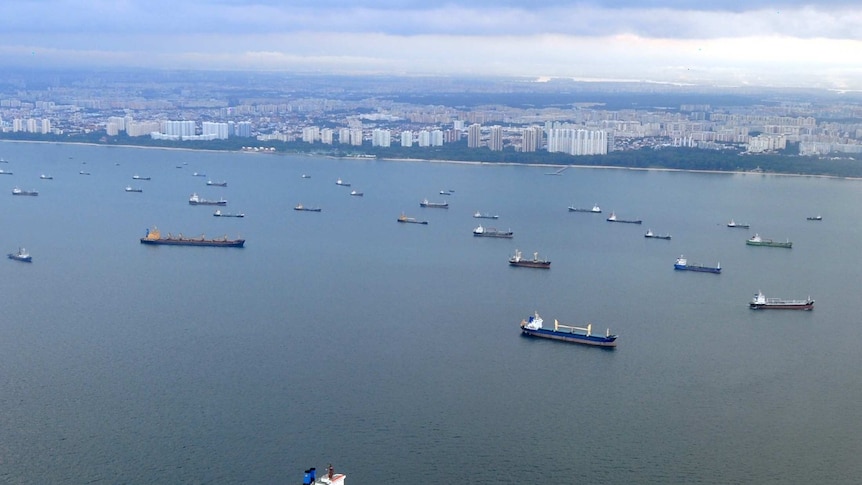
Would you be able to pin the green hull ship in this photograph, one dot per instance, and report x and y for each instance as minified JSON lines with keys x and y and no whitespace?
{"x":759,"y":241}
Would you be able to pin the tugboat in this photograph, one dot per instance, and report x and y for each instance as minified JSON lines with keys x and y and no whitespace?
{"x":734,"y":224}
{"x":154,"y":237}
{"x":17,"y":191}
{"x":532,"y":326}
{"x":760,"y":302}
{"x":482,"y":231}
{"x":436,"y":205}
{"x":613,"y":218}
{"x":195,"y":199}
{"x":517,"y":260}
{"x":682,"y":264}
{"x":300,"y":207}
{"x":649,"y":234}
{"x":410,"y":220}
{"x":756,"y":240}
{"x":480,"y":215}
{"x":331,"y":478}
{"x":22,"y":255}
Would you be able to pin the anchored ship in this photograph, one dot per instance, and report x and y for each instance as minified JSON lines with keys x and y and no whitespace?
{"x":216,"y":184}
{"x":410,"y":220}
{"x":532,"y":326}
{"x":682,"y":264}
{"x":756,"y":240}
{"x":595,"y":210}
{"x":517,"y":260}
{"x":219,"y":213}
{"x":735,"y":224}
{"x":17,"y":191}
{"x":760,"y":302}
{"x":300,"y":207}
{"x":154,"y":237}
{"x":342,"y":183}
{"x":482,"y":231}
{"x":138,"y":177}
{"x":195,"y":199}
{"x":613,"y":218}
{"x":129,"y":188}
{"x":484,"y":215}
{"x":437,"y":205}
{"x":649,"y":234}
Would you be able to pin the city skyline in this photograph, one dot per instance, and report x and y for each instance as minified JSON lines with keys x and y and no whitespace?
{"x":755,"y":43}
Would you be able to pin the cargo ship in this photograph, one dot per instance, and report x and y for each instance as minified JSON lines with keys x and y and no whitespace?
{"x":532,"y":326}
{"x":216,"y":184}
{"x":517,"y":260}
{"x":46,"y":177}
{"x":17,"y":191}
{"x":814,"y":218}
{"x":760,"y":302}
{"x":756,"y":240}
{"x":129,"y":188}
{"x":22,"y":255}
{"x":356,"y":193}
{"x":330,"y":478}
{"x":342,"y":183}
{"x":4,"y":172}
{"x":219,"y":213}
{"x":682,"y":264}
{"x":740,"y":225}
{"x":138,"y":177}
{"x":613,"y":218}
{"x":484,"y":215}
{"x":195,"y":199}
{"x":437,"y":205}
{"x":595,"y":210}
{"x":154,"y":237}
{"x":410,"y":220}
{"x":300,"y":207}
{"x":650,"y":234}
{"x":482,"y":231}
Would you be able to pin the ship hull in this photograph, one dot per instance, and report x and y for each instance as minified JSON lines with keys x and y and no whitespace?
{"x":504,"y":235}
{"x":230,"y":243}
{"x":698,"y":269}
{"x":773,"y":244}
{"x":531,"y":264}
{"x":209,"y":202}
{"x":412,"y":221}
{"x":624,"y":221}
{"x":432,"y":205}
{"x":596,"y":341}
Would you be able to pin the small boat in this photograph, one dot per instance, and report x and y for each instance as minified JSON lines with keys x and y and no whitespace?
{"x":342,"y":183}
{"x":195,"y":199}
{"x":129,"y":188}
{"x":613,"y":218}
{"x":595,"y":209}
{"x":735,"y":224}
{"x":649,"y":234}
{"x":216,"y":184}
{"x":300,"y":207}
{"x":4,"y":172}
{"x":83,"y":173}
{"x":682,"y":264}
{"x":815,"y":218}
{"x":356,"y":193}
{"x":760,"y":302}
{"x":485,"y":215}
{"x":410,"y":220}
{"x":138,"y":177}
{"x":46,"y":177}
{"x":482,"y":231}
{"x":198,"y":174}
{"x":17,"y":191}
{"x":154,"y":237}
{"x":306,"y":176}
{"x":21,"y":255}
{"x":756,"y":240}
{"x":436,"y":205}
{"x":532,"y":326}
{"x":219,"y":213}
{"x":517,"y":260}
{"x":331,"y":478}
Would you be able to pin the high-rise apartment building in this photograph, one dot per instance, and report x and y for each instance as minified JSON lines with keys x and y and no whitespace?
{"x":495,"y":138}
{"x":474,"y":135}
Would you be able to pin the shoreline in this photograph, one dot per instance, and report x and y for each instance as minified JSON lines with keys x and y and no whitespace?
{"x":562,"y":168}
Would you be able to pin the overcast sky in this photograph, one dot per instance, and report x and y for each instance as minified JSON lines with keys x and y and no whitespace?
{"x":729,"y":43}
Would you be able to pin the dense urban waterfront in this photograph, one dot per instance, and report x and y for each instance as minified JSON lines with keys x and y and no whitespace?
{"x":390,"y":349}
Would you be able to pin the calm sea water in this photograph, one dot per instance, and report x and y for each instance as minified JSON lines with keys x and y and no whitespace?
{"x":392,"y":350}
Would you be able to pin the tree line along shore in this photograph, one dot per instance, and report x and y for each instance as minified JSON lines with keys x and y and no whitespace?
{"x":669,"y":158}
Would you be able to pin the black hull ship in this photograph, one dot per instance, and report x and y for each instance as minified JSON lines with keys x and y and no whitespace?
{"x":154,"y":237}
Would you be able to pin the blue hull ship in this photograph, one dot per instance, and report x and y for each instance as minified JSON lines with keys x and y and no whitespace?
{"x":532,"y":326}
{"x":682,"y":264}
